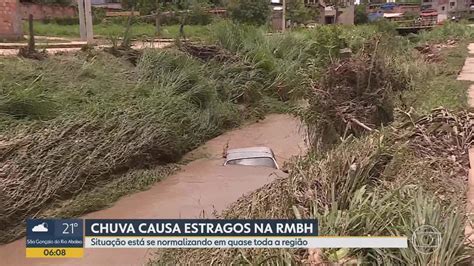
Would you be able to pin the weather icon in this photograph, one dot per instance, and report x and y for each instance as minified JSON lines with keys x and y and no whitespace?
{"x":40,"y":228}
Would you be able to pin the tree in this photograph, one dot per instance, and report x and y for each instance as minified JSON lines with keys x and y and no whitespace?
{"x":254,"y":12}
{"x":360,"y":14}
{"x":298,"y":12}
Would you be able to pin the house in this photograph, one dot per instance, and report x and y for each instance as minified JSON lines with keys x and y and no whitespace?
{"x":342,"y":13}
{"x":108,"y":5}
{"x":390,"y":8}
{"x":429,"y":17}
{"x":446,"y":8}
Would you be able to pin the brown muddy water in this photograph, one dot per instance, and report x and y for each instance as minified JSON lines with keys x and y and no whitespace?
{"x":197,"y":190}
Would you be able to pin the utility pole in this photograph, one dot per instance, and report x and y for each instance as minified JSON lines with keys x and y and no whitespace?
{"x":88,"y":14}
{"x":283,"y":16}
{"x":82,"y":21}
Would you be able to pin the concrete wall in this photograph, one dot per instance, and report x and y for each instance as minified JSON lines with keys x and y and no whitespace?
{"x":47,"y":11}
{"x":347,"y":15}
{"x":277,"y":22}
{"x":10,"y":20}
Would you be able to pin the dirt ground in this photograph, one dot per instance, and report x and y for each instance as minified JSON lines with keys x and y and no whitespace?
{"x":467,"y":74}
{"x":73,"y":46}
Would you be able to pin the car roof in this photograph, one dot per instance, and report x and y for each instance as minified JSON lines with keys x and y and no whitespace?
{"x":251,"y":152}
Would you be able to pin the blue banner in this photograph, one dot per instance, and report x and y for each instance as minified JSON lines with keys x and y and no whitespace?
{"x":54,"y":233}
{"x":201,"y":227}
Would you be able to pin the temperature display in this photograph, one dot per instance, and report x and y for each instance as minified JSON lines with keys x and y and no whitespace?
{"x":69,"y":228}
{"x":55,"y":238}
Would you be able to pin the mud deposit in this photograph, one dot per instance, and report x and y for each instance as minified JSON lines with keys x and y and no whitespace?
{"x":199,"y":188}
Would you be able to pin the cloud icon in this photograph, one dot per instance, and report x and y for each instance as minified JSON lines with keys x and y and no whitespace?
{"x":40,"y":228}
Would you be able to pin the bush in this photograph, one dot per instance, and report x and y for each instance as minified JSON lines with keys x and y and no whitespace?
{"x":298,"y":13}
{"x":450,"y":30}
{"x":360,"y":15}
{"x":199,"y":15}
{"x":254,"y":12}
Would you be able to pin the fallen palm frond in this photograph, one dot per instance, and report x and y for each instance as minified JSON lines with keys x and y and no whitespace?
{"x":442,"y":133}
{"x":436,"y":152}
{"x":431,"y":52}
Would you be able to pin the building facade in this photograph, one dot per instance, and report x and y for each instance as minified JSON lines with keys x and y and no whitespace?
{"x":328,"y":14}
{"x":10,"y":20}
{"x":446,"y":8}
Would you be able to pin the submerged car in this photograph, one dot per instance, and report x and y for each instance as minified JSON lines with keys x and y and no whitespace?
{"x":253,"y":156}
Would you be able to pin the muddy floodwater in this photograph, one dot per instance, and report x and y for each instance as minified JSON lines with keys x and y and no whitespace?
{"x":202,"y":186}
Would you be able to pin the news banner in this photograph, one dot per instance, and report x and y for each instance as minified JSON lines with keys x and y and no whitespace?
{"x":67,"y":238}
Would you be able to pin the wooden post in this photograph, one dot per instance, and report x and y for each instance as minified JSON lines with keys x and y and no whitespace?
{"x":31,"y":40}
{"x":82,"y":21}
{"x":88,"y":14}
{"x":283,"y":16}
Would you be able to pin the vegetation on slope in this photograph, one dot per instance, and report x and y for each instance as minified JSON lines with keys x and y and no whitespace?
{"x":92,"y":119}
{"x":390,"y":180}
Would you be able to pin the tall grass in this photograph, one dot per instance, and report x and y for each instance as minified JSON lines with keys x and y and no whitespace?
{"x":374,"y":185}
{"x":104,"y":117}
{"x":138,"y":30}
{"x":289,"y":61}
{"x":450,"y":30}
{"x":345,"y":190}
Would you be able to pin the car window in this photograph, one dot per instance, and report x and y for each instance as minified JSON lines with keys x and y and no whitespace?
{"x":261,"y":161}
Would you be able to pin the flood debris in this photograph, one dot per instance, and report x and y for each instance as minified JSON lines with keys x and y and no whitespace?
{"x":361,"y":177}
{"x":30,"y":50}
{"x":207,"y":52}
{"x":431,"y":51}
{"x":441,"y":134}
{"x":352,"y":98}
{"x":128,"y":53}
{"x":74,"y":156}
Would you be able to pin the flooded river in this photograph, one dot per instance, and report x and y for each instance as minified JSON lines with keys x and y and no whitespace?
{"x":198,"y":189}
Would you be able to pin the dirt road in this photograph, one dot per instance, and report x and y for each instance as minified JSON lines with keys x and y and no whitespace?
{"x":199,"y":188}
{"x":467,"y":74}
{"x":74,"y":46}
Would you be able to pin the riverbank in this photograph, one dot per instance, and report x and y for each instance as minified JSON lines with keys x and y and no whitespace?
{"x":373,"y":180}
{"x":95,"y":118}
{"x":200,"y":188}
{"x":467,"y":75}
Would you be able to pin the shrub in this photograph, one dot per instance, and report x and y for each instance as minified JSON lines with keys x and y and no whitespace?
{"x":360,"y":15}
{"x":254,"y":12}
{"x":297,"y":12}
{"x":199,"y":15}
